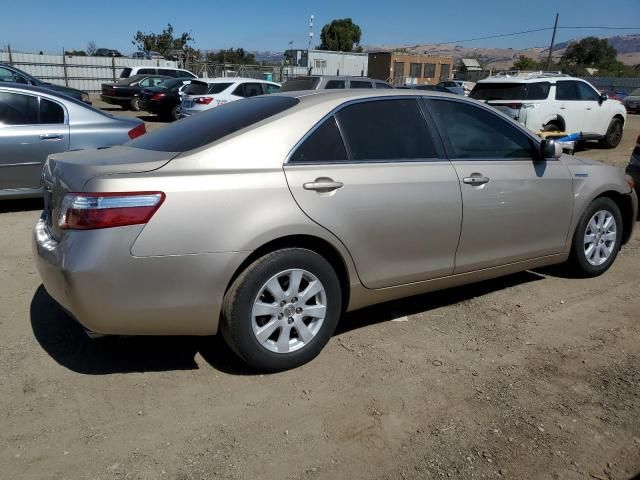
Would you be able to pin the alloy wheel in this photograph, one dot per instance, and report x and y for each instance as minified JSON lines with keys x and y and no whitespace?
{"x":600,"y":237}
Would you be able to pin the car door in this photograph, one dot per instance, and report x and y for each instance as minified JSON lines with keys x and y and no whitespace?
{"x":596,"y":117}
{"x":515,"y":206}
{"x":569,"y":105}
{"x":384,"y":191}
{"x":30,"y":129}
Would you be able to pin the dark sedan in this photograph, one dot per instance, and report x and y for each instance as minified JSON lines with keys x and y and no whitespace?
{"x":164,"y":99}
{"x":126,"y":92}
{"x":14,"y":75}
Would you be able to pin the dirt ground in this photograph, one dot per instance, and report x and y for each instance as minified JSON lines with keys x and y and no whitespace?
{"x":532,"y":376}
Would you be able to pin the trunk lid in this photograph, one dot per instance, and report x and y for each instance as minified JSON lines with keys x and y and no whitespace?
{"x":70,"y":171}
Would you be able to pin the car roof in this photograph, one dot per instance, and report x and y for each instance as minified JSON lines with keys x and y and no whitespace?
{"x":33,"y":89}
{"x":316,"y":97}
{"x":231,"y":80}
{"x":519,"y":77}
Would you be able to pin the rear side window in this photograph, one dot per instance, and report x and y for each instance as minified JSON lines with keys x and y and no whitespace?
{"x":248,"y":90}
{"x":386,"y":130}
{"x":476,"y":133}
{"x":51,"y":112}
{"x":335,"y":84}
{"x":511,"y":91}
{"x":360,"y":84}
{"x":167,"y":72}
{"x":18,"y":109}
{"x":300,"y":83}
{"x":126,"y":73}
{"x":212,"y":125}
{"x":323,"y":145}
{"x":567,"y":90}
{"x":147,"y":71}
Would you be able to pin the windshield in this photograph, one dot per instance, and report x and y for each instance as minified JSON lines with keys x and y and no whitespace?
{"x":212,"y":125}
{"x":510,"y":91}
{"x":125,"y":72}
{"x":300,"y":83}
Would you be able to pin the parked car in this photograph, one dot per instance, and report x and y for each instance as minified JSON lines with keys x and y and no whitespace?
{"x":555,"y":102}
{"x":633,"y":169}
{"x":151,"y":55}
{"x":126,"y":92}
{"x":107,"y":52}
{"x":453,"y":87}
{"x":265,"y":221}
{"x":205,"y":94}
{"x":166,"y":71}
{"x":326,"y":82}
{"x":632,"y":101}
{"x":164,"y":99}
{"x":36,"y":122}
{"x":14,"y":75}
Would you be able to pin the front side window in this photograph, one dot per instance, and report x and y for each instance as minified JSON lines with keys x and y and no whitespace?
{"x":51,"y":112}
{"x":429,"y":70}
{"x":18,"y":109}
{"x":386,"y":130}
{"x":324,"y":144}
{"x":335,"y":84}
{"x":476,"y":133}
{"x":7,"y":75}
{"x":567,"y":90}
{"x":511,"y":91}
{"x":587,"y":93}
{"x":360,"y":84}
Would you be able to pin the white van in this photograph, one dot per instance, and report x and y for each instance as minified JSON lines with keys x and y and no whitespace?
{"x":146,"y":70}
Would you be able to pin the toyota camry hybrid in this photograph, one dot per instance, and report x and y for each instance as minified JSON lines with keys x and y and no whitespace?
{"x":267,"y":218}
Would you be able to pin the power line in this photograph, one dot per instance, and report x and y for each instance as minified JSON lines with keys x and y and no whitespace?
{"x":497,"y":36}
{"x":607,"y":28}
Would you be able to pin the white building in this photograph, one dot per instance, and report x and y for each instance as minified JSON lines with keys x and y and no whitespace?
{"x":324,"y":62}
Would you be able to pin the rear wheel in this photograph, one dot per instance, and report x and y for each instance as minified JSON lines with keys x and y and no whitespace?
{"x":552,"y":127}
{"x":282,"y":310}
{"x":597,"y":238}
{"x":174,"y":113}
{"x":135,"y":104}
{"x":614,"y":134}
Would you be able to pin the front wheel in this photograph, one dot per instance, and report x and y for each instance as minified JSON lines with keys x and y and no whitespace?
{"x":597,"y":238}
{"x":614,"y":134}
{"x":282,"y":310}
{"x":135,"y":104}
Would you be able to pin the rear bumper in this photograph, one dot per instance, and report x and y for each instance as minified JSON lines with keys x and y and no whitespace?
{"x":93,"y":276}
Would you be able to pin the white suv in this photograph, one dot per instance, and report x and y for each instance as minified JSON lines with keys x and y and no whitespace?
{"x":555,"y":102}
{"x":206,"y":93}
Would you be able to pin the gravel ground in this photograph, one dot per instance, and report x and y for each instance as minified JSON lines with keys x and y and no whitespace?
{"x":530,"y":376}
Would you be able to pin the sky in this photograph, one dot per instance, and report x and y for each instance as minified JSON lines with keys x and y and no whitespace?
{"x":51,"y":25}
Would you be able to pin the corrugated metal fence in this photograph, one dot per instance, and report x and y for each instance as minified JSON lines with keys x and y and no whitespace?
{"x":625,"y":84}
{"x":84,"y":73}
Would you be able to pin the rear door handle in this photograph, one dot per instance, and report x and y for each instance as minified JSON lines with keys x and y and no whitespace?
{"x":475,"y":179}
{"x":51,"y":136}
{"x":322,"y":185}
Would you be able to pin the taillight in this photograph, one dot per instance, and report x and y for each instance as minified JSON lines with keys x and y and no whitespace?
{"x":137,"y":131}
{"x":87,"y":211}
{"x":158,"y":96}
{"x":203,"y":100}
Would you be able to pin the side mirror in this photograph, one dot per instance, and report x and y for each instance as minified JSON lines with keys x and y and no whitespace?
{"x":603,"y":97}
{"x":550,"y":149}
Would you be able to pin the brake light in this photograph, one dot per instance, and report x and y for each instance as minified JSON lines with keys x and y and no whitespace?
{"x":158,"y":96}
{"x":137,"y":131}
{"x":203,"y":100}
{"x":88,"y":211}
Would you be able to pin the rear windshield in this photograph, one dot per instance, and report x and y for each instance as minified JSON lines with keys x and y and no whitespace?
{"x":300,"y":83}
{"x":201,"y":88}
{"x":125,"y":72}
{"x":510,"y":91}
{"x":212,"y":125}
{"x":130,"y":80}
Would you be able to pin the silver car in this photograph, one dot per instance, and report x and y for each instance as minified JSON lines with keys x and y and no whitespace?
{"x":36,"y":122}
{"x":267,"y":218}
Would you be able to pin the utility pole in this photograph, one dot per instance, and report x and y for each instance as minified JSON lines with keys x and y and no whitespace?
{"x":553,"y":38}
{"x":310,"y":31}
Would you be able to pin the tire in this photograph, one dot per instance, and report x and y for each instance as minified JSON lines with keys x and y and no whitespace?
{"x":551,"y":127}
{"x":135,"y":104}
{"x":595,"y":219}
{"x":173,"y":116}
{"x":258,"y":340}
{"x":614,"y":134}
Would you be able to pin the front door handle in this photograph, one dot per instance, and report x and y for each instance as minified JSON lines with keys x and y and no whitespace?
{"x":323,"y":185}
{"x":476,"y":179}
{"x":51,"y":136}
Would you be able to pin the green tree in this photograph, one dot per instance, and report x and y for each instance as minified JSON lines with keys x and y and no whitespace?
{"x":237,"y":56}
{"x":590,"y":52}
{"x":163,"y":42}
{"x":525,"y":63}
{"x":341,"y":35}
{"x":76,"y":53}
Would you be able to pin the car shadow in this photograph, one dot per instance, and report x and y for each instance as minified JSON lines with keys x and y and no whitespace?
{"x":67,"y":343}
{"x":22,"y":205}
{"x":154,"y":118}
{"x":384,"y":312}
